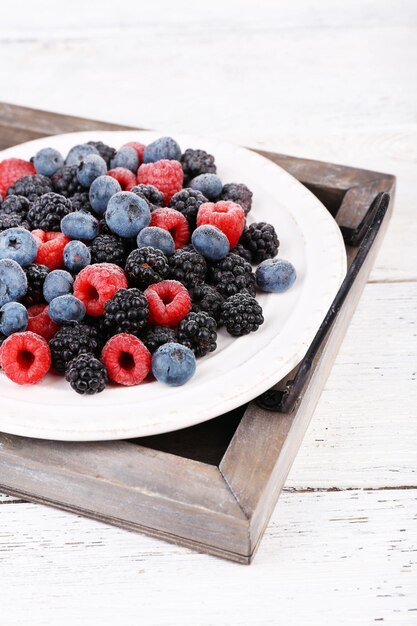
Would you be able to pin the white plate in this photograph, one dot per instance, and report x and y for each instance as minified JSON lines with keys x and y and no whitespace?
{"x":240,"y":369}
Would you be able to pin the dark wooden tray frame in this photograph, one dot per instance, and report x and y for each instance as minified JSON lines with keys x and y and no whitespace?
{"x":212,"y":487}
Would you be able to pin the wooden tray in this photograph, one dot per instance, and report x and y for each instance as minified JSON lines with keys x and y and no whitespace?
{"x":211,"y":487}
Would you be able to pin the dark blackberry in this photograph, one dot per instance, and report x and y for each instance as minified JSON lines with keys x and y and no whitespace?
{"x":16,"y":204}
{"x":47,"y":212}
{"x":31,"y":187}
{"x":241,"y":314}
{"x":81,"y":202}
{"x":155,"y":336}
{"x":232,"y":275}
{"x":72,"y":340}
{"x":108,"y":249}
{"x":190,"y":268}
{"x":145,"y":266}
{"x":65,"y":181}
{"x":198,"y":331}
{"x":151,"y":194}
{"x":106,"y":152}
{"x":187,"y":202}
{"x":206,"y":299}
{"x":11,"y":220}
{"x":195,"y":162}
{"x":239,"y":193}
{"x":126,"y":312}
{"x":261,"y":240}
{"x":86,"y":374}
{"x":35,"y":274}
{"x":243,"y":252}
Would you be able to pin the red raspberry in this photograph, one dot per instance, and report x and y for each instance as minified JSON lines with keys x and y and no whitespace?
{"x":165,"y":175}
{"x":174,"y":222}
{"x":40,"y":322}
{"x":229,"y":217}
{"x":51,"y":248}
{"x":96,"y":284}
{"x":25,"y":358}
{"x":125,"y":177}
{"x":139,"y":147}
{"x":127,"y":360}
{"x":11,"y":170}
{"x":169,"y":302}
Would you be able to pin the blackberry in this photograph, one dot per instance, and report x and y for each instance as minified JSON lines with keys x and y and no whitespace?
{"x":70,"y":341}
{"x":35,"y":274}
{"x":145,"y":266}
{"x":126,"y":312}
{"x":239,"y":193}
{"x":241,"y":314}
{"x":189,"y":267}
{"x":198,"y":331}
{"x":232,"y":275}
{"x":156,"y":336}
{"x":261,"y":240}
{"x":187,"y":202}
{"x":86,"y":374}
{"x":108,"y":249}
{"x":10,"y":220}
{"x":243,"y":252}
{"x":16,"y":204}
{"x":80,"y":201}
{"x":65,"y":181}
{"x":196,"y":162}
{"x":151,"y":194}
{"x":31,"y":187}
{"x":206,"y":299}
{"x":47,"y":212}
{"x":106,"y":152}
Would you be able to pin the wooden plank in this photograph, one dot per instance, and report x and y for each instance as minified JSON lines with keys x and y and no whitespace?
{"x":345,"y":558}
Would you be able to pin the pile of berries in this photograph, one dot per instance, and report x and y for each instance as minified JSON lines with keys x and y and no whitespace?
{"x":118,"y":264}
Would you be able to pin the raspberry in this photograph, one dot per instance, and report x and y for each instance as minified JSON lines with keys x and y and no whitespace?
{"x":40,"y":322}
{"x":229,"y":217}
{"x":174,"y":222}
{"x":96,"y":284}
{"x":167,"y":176}
{"x":127,"y":360}
{"x":124,"y":177}
{"x":50,"y":249}
{"x":139,"y":147}
{"x":169,"y":302}
{"x":11,"y":170}
{"x":25,"y":358}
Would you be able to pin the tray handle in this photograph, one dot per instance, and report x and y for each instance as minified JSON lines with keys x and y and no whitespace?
{"x":362,"y":237}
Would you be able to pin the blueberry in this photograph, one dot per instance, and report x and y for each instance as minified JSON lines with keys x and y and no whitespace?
{"x":101,"y":190}
{"x":47,"y":161}
{"x":80,"y":225}
{"x":66,"y":309}
{"x":13,"y":318}
{"x":13,"y":281}
{"x":275,"y":275}
{"x":173,"y":364}
{"x":57,"y":283}
{"x":162,"y":148}
{"x":127,"y":214}
{"x":126,"y":157}
{"x":158,"y":238}
{"x":78,"y":153}
{"x":210,"y":185}
{"x":76,"y":256}
{"x":210,"y":242}
{"x":91,"y":168}
{"x":18,"y":244}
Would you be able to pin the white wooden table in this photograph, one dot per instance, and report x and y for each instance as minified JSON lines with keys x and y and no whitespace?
{"x":328,"y":80}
